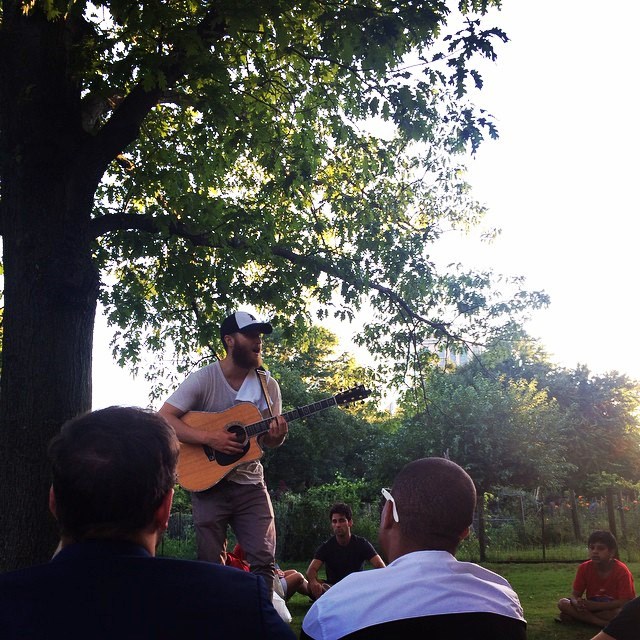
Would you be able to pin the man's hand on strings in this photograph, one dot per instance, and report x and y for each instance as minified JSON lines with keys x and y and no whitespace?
{"x":278,"y":429}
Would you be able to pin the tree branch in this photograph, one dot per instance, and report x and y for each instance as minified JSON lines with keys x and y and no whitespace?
{"x":329,"y":268}
{"x":123,"y":127}
{"x":169,"y":225}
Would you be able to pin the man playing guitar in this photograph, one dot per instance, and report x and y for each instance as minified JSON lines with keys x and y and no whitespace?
{"x":240,"y":498}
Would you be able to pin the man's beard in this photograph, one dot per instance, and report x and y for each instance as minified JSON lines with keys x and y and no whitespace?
{"x":245,"y":358}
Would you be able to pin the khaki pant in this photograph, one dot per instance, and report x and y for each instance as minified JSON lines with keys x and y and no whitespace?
{"x":247,"y":508}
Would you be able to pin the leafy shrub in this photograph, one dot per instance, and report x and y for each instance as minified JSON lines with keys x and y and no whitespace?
{"x":302,"y":520}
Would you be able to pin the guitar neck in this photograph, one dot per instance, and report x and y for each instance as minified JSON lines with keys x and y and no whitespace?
{"x":257,"y":428}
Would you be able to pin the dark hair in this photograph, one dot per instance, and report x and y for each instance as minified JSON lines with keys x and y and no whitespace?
{"x":341,"y":508}
{"x":604,"y":537}
{"x":435,"y":499}
{"x":111,"y":470}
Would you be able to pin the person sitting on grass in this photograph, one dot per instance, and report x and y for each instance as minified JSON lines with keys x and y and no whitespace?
{"x":342,"y":554}
{"x":291,"y":581}
{"x":606,"y":583}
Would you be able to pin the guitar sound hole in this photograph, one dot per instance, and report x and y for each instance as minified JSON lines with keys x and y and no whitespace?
{"x":224,"y":459}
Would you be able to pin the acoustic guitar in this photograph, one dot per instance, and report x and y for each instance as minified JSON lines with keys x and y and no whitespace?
{"x":201,"y":467}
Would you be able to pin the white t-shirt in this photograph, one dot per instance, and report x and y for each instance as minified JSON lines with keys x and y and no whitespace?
{"x":208,"y":390}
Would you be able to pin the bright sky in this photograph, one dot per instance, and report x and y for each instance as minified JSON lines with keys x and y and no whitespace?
{"x":561,"y":183}
{"x":562,"y":180}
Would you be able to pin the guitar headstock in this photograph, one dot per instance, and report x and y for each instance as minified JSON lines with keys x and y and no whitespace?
{"x":359,"y":392}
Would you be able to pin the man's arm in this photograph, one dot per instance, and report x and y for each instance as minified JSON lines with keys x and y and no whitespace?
{"x":278,"y":427}
{"x":603,"y":636}
{"x":605,"y":605}
{"x":315,"y":586}
{"x":576,"y":599}
{"x":278,"y":430}
{"x":377,"y":562}
{"x":220,"y":439}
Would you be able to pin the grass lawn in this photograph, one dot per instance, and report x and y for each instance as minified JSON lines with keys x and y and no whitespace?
{"x":539,"y":587}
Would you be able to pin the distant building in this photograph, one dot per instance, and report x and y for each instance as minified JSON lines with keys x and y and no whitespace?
{"x":450,"y":357}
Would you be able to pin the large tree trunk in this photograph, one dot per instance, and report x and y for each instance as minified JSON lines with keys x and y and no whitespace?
{"x":51,"y":284}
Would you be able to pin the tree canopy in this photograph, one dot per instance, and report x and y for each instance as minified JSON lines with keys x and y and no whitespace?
{"x":512,"y":417}
{"x":502,"y":431}
{"x":257,"y":175}
{"x":177,"y":159}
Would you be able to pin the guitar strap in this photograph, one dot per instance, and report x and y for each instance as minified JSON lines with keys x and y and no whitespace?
{"x":262,"y":376}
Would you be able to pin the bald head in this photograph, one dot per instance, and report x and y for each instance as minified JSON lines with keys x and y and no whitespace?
{"x":436,"y":500}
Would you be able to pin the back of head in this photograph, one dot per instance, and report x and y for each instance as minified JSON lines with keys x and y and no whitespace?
{"x":111,"y":470}
{"x":436,"y":500}
{"x":342,"y":509}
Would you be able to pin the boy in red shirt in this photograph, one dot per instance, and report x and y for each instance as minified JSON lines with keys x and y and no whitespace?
{"x":606,"y":582}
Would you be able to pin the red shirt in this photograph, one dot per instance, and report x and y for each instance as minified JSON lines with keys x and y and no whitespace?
{"x":618,"y":585}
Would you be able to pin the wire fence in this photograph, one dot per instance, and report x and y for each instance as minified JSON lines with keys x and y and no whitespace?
{"x":523,"y":527}
{"x":519,"y":527}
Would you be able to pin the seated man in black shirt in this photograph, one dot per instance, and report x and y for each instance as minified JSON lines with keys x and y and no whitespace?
{"x":341,"y":554}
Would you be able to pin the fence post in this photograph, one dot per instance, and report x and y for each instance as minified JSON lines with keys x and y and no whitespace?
{"x":611,"y":512}
{"x":482,"y":540}
{"x":539,"y":497}
{"x":574,"y":515}
{"x":623,"y":524}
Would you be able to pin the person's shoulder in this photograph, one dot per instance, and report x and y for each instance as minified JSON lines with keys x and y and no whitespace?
{"x":272,"y":381}
{"x":326,"y":544}
{"x":621,"y":566}
{"x":204,"y":581}
{"x":480,"y":572}
{"x":243,"y":608}
{"x":209,"y":369}
{"x":204,"y":371}
{"x":362,"y":543}
{"x":372,"y":608}
{"x":200,"y":568}
{"x":633,"y":608}
{"x":194,"y":382}
{"x":26,"y":575}
{"x":359,"y":539}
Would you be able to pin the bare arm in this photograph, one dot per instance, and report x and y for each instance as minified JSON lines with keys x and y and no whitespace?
{"x":278,"y":427}
{"x":603,"y":636}
{"x":221,"y":439}
{"x":583,"y":604}
{"x":576,"y":599}
{"x":278,"y":430}
{"x":596,"y":605}
{"x":312,"y":576}
{"x":377,"y":562}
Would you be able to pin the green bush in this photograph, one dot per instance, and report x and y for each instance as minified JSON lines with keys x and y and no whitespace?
{"x":513,"y":524}
{"x":302,"y":520}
